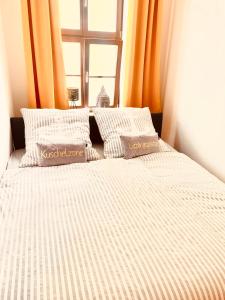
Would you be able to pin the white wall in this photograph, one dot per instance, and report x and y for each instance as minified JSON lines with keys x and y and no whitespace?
{"x":15,"y":58}
{"x":5,"y":106}
{"x":194,"y":94}
{"x":13,"y":81}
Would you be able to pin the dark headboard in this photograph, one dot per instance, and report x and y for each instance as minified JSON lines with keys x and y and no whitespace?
{"x":17,"y":126}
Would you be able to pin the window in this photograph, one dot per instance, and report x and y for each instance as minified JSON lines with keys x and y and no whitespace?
{"x":92,"y":46}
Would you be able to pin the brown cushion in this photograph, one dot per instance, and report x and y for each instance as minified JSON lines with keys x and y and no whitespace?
{"x":137,"y":145}
{"x":60,"y":154}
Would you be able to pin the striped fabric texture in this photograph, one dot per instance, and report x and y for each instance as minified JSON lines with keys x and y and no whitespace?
{"x":148,"y":228}
{"x":55,"y":126}
{"x":114,"y":122}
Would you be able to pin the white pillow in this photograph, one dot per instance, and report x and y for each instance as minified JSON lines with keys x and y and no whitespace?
{"x":114,"y":122}
{"x":55,"y":126}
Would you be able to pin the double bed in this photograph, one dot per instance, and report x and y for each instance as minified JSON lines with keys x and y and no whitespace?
{"x":151,"y":227}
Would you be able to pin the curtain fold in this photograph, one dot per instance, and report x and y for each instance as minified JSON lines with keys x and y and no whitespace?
{"x":43,"y":50}
{"x":141,"y":84}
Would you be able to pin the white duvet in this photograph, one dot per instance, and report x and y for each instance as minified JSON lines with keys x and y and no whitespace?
{"x":147,"y":228}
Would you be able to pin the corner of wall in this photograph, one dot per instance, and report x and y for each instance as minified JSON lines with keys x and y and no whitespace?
{"x":13,"y":35}
{"x":6,"y":106}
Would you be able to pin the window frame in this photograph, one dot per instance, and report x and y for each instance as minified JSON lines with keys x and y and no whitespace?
{"x":117,"y":75}
{"x":85,"y":38}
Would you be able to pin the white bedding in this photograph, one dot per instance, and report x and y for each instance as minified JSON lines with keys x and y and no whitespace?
{"x":147,"y":228}
{"x":16,"y":156}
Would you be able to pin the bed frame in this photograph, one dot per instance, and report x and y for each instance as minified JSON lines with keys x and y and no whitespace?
{"x":17,"y":127}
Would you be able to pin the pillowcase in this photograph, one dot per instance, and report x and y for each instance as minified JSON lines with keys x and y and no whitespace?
{"x":60,"y":154}
{"x":137,"y":145}
{"x":55,"y":126}
{"x":114,"y":122}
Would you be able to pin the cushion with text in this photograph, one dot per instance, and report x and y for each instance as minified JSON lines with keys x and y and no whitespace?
{"x":137,"y":145}
{"x":61,"y":154}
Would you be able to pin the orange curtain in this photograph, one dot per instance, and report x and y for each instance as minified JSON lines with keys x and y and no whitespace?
{"x":141,"y":84}
{"x":42,"y":37}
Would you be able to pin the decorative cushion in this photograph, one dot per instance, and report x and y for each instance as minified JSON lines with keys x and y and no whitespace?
{"x":137,"y":145}
{"x":61,"y":154}
{"x":55,"y":126}
{"x":114,"y":122}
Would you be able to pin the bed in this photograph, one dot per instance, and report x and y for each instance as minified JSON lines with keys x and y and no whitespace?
{"x":91,"y":231}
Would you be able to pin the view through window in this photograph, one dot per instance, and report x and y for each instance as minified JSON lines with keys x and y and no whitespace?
{"x":92,"y":46}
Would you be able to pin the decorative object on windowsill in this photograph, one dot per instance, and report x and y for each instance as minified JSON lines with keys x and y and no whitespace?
{"x":73,"y":96}
{"x":103,"y":98}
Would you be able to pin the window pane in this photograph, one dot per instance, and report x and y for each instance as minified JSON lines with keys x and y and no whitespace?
{"x":69,"y":14}
{"x":72,"y":58}
{"x":73,"y":84}
{"x":102,"y":15}
{"x":95,"y":85}
{"x":102,"y":60}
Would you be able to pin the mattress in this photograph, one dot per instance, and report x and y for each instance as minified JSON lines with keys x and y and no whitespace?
{"x":146,"y":228}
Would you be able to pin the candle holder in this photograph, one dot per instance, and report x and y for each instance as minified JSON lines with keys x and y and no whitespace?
{"x":73,"y":96}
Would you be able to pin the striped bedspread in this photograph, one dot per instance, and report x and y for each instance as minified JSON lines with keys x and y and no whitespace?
{"x":147,"y":228}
